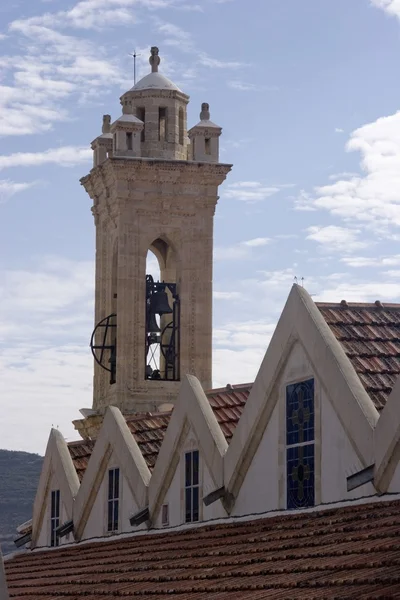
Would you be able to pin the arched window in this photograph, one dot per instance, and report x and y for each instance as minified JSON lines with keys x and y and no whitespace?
{"x":181,"y":126}
{"x":162,"y":313}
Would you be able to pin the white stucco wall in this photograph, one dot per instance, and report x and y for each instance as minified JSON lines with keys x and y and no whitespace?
{"x":260,"y":489}
{"x":96,"y":525}
{"x":44,"y":537}
{"x":338,"y":458}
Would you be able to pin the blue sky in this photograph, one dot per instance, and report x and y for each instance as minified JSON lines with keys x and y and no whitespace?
{"x":307,"y":93}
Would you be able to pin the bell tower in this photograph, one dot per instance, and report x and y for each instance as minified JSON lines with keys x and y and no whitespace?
{"x":154,"y":186}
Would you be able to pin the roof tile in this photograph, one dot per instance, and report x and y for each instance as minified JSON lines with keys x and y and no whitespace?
{"x":149,"y":429}
{"x":346,"y":552}
{"x":370,"y":336}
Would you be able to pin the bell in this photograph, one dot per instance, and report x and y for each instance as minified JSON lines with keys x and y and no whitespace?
{"x":159,"y":304}
{"x":152,"y":325}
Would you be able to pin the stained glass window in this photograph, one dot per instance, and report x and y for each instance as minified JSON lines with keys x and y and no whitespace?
{"x":192,"y":486}
{"x":113,"y":500}
{"x":300,"y":436}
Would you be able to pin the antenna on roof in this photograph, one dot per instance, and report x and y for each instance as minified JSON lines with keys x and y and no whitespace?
{"x":135,"y":55}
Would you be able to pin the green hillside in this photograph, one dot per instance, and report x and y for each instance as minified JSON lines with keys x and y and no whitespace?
{"x":19,"y":476}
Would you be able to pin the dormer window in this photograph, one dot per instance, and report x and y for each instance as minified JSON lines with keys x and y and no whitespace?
{"x":300,"y":443}
{"x":192,"y":485}
{"x":129,"y":141}
{"x":113,"y":500}
{"x":54,"y":517}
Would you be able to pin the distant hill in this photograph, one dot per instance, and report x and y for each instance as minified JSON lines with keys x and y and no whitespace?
{"x":19,"y":477}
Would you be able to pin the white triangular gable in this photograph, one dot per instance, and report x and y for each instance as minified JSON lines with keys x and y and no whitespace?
{"x":387,"y":441}
{"x":192,"y":411}
{"x":301,"y":321}
{"x":115,"y":441}
{"x":57,"y":466}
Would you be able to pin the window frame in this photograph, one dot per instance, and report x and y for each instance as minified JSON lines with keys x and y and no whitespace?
{"x":301,"y":444}
{"x":113,"y":500}
{"x":55,"y":506}
{"x":191,"y":490}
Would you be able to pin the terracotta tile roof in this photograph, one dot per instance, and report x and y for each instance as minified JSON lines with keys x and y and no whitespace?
{"x":370,"y":336}
{"x":228,"y":404}
{"x":80,"y":452}
{"x":347,"y":552}
{"x":149,"y":429}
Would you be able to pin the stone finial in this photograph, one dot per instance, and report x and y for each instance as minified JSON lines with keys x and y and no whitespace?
{"x":154,"y":59}
{"x":106,"y":124}
{"x":205,"y":112}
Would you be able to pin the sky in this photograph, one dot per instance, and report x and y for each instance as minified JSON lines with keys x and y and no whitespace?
{"x":307,"y":93}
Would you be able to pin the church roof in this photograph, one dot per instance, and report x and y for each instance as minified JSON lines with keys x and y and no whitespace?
{"x":156,"y":81}
{"x":346,"y":552}
{"x":370,"y":336}
{"x":149,"y":429}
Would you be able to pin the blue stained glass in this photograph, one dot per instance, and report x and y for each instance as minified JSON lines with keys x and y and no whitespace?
{"x":300,"y":412}
{"x":300,"y":476}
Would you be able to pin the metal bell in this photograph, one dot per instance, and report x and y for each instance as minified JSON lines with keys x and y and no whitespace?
{"x":159,"y":304}
{"x":152,"y":325}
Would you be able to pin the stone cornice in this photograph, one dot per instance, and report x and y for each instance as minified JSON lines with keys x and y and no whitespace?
{"x":145,"y":172}
{"x":154,"y":93}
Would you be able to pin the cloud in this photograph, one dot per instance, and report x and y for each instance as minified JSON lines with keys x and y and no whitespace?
{"x":215,"y":63}
{"x":335,"y":238}
{"x":226,"y":295}
{"x":339,"y":130}
{"x":65,"y":156}
{"x":371,"y":261}
{"x":243,"y":86}
{"x":392,"y":7}
{"x":45,"y":362}
{"x":343,"y":175}
{"x":373,"y":198}
{"x":256,"y":242}
{"x":10,"y":188}
{"x":250,"y":191}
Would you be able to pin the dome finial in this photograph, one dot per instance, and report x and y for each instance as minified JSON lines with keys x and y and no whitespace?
{"x":205,"y":112}
{"x":154,"y":59}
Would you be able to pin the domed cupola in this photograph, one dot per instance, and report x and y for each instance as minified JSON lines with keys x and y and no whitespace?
{"x":161,"y":106}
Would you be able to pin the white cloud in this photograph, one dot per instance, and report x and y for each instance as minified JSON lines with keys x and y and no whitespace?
{"x":343,"y":175}
{"x":65,"y":156}
{"x":45,"y":362}
{"x":215,"y":63}
{"x":10,"y":188}
{"x":371,"y":261}
{"x":341,"y":239}
{"x":227,"y":295}
{"x":372,"y":199}
{"x":256,"y":242}
{"x":243,"y":86}
{"x":250,"y":191}
{"x":339,"y":130}
{"x":392,"y":7}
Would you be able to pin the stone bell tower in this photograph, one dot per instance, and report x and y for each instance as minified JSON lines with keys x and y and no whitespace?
{"x":154,"y":186}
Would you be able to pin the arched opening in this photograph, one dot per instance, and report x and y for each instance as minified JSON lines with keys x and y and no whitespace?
{"x":162,"y":313}
{"x":181,"y":126}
